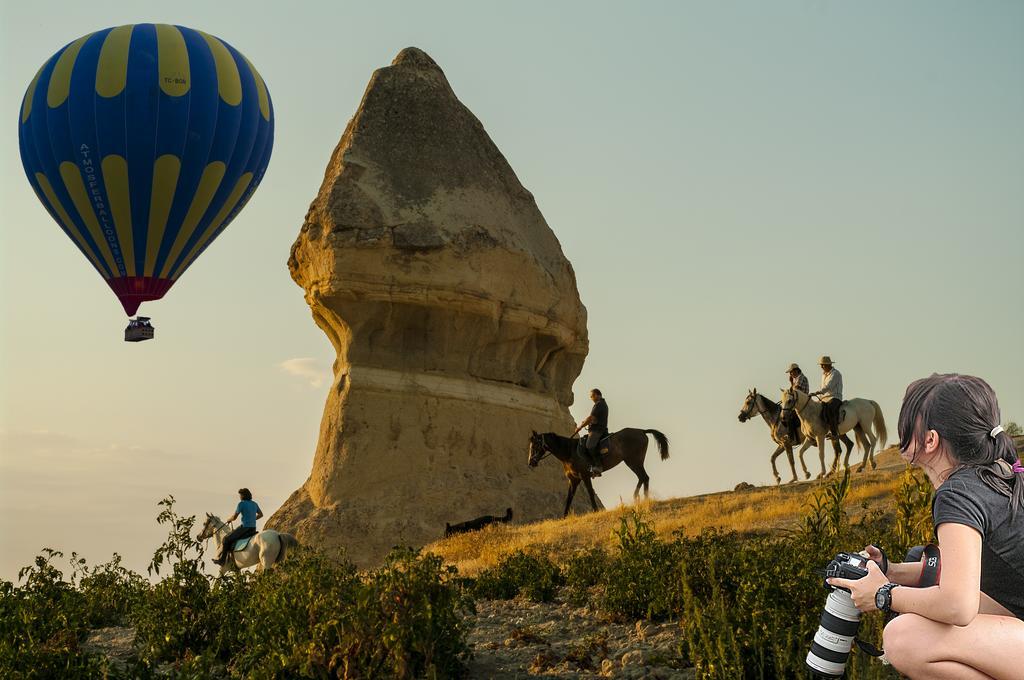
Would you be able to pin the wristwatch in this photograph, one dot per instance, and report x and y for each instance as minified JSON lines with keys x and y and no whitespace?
{"x":883,"y":598}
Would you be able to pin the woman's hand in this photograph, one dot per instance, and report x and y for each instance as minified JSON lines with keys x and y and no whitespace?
{"x":863,"y":589}
{"x":874,"y":554}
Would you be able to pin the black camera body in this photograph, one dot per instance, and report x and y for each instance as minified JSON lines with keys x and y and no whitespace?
{"x":840,"y":620}
{"x":851,"y":566}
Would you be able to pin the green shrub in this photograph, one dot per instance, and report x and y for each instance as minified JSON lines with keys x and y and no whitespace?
{"x":639,"y":577}
{"x":41,"y":624}
{"x":174,"y":617}
{"x":318,"y":617}
{"x":585,"y":572}
{"x":535,"y":577}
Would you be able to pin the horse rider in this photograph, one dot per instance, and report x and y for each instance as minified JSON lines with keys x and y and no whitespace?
{"x":597,"y":427}
{"x":798,"y":380}
{"x":830,"y":394}
{"x":250,"y":512}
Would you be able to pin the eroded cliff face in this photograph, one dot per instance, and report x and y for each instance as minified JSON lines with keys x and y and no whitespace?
{"x":455,"y":317}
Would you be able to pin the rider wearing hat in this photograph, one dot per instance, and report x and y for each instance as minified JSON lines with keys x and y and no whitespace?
{"x":797,"y":379}
{"x":831,"y":395}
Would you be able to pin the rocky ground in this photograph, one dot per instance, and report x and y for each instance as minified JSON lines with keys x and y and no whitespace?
{"x":521,"y":639}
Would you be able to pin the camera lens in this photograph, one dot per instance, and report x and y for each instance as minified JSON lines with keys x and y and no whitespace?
{"x":834,"y":639}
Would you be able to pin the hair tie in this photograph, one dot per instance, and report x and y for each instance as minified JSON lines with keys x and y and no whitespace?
{"x":1018,"y":468}
{"x":995,"y":430}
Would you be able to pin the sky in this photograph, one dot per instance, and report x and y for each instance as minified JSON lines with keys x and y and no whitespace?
{"x":739,"y":185}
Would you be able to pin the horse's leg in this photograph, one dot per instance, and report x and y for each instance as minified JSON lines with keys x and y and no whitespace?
{"x":590,"y":491}
{"x":808,"y":442}
{"x":838,"y":454}
{"x":775,"y":471}
{"x":815,"y":439}
{"x":838,"y":450}
{"x":789,"y":452}
{"x":869,"y":452}
{"x":573,"y":483}
{"x":848,"y":443}
{"x":642,"y":479}
{"x":807,"y":473}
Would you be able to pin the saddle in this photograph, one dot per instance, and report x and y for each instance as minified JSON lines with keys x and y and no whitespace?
{"x":241,"y":543}
{"x":602,"y":443}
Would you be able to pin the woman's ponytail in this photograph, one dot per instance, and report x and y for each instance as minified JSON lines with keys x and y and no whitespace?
{"x":1005,"y":454}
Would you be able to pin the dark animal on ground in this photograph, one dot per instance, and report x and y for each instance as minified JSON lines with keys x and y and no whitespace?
{"x":475,"y":524}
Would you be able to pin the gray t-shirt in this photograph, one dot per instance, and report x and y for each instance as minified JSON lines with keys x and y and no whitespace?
{"x":965,"y":499}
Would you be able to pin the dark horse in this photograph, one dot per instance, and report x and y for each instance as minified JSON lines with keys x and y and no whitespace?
{"x":628,"y":446}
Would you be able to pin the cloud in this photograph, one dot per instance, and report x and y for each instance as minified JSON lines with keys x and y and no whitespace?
{"x":45,"y":450}
{"x":308,"y":369}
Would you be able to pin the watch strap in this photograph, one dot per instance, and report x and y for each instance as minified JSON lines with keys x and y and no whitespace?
{"x":886,"y":591}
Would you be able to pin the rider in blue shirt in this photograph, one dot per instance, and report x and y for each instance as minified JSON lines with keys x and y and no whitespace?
{"x":250,"y":512}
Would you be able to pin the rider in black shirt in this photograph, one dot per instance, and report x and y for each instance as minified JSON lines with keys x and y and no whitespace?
{"x":597,"y":427}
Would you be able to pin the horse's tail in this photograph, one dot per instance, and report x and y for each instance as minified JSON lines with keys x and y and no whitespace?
{"x":287,"y":542}
{"x":662,"y":442}
{"x":879,"y":424}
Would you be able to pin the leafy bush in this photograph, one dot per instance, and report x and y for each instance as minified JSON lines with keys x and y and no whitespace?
{"x":585,"y":572}
{"x":536,"y":577}
{"x":176,"y":614}
{"x":41,"y":623}
{"x":639,"y":577}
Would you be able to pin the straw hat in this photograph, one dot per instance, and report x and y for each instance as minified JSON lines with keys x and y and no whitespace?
{"x":792,"y":367}
{"x":825,"y":361}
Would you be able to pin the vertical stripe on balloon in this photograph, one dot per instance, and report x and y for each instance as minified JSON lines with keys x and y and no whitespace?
{"x":261,"y":88}
{"x":229,"y":83}
{"x":60,"y":79}
{"x":216,"y":222}
{"x":212,"y":176}
{"x":26,"y":105}
{"x":173,"y":60}
{"x":115,"y":177}
{"x":165,"y":179}
{"x":112,"y":67}
{"x":76,"y":189}
{"x":69,"y":224}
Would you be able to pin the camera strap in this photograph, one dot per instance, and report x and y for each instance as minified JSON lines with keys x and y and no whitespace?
{"x":931,"y":566}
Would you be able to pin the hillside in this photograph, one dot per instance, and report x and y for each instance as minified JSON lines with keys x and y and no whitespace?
{"x":753,"y":509}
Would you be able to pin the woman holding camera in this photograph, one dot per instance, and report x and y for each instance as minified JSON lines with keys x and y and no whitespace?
{"x":970,"y":625}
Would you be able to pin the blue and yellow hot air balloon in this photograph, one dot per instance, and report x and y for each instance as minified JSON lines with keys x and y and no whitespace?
{"x":143,"y":142}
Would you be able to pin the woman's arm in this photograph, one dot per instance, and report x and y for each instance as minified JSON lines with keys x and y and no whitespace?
{"x":903,"y":573}
{"x":957,"y":598}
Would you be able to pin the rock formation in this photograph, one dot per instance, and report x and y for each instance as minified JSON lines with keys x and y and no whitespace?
{"x":455,"y":317}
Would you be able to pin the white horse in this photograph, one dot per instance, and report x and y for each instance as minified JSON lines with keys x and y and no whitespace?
{"x":863,"y":416}
{"x":264,"y":550}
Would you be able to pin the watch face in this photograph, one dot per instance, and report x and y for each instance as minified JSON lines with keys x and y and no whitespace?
{"x":880,"y":599}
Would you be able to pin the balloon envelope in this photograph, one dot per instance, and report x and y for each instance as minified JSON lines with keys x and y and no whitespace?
{"x":143,"y":142}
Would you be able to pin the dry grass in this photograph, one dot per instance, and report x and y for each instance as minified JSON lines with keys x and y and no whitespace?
{"x":760,"y":509}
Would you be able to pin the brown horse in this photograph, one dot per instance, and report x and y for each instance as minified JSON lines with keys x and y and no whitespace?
{"x":627,"y":446}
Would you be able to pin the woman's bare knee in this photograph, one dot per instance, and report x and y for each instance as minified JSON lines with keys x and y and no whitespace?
{"x":904,"y":641}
